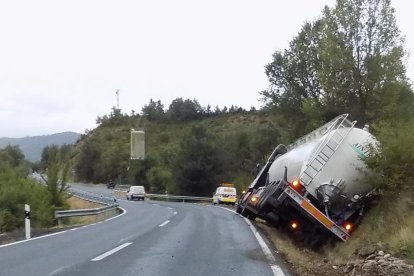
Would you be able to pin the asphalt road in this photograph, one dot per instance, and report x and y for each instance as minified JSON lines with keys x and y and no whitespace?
{"x":150,"y":238}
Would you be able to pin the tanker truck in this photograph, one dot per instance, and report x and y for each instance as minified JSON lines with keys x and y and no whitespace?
{"x":315,"y":185}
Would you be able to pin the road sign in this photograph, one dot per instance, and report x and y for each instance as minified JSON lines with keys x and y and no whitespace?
{"x":137,"y":144}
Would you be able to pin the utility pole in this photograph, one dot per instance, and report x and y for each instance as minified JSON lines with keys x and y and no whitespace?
{"x":117,"y":99}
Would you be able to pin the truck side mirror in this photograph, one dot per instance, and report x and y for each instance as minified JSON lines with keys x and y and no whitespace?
{"x":256,"y":169}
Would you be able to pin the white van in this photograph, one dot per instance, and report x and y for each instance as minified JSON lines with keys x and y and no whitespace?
{"x":225,"y":195}
{"x":135,"y":192}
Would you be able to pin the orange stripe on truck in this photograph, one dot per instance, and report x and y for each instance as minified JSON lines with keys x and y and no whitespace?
{"x":317,"y":214}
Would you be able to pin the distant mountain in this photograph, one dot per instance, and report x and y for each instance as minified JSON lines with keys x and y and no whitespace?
{"x":33,"y":146}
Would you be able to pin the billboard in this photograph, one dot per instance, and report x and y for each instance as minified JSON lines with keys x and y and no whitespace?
{"x":137,"y":144}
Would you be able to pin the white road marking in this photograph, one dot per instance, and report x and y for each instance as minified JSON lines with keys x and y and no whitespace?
{"x":57,"y":271}
{"x":169,"y":208}
{"x":61,"y":232}
{"x":277,"y":271}
{"x":175,"y":213}
{"x":164,"y":223}
{"x":110,"y":252}
{"x":36,"y":238}
{"x":121,"y":214}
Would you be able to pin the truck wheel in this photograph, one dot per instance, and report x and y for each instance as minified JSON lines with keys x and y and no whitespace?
{"x":252,"y":217}
{"x":238,"y":209}
{"x":244,"y":212}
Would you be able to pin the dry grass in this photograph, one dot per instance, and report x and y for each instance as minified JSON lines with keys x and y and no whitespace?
{"x":77,"y":203}
{"x":121,"y":194}
{"x":302,"y":260}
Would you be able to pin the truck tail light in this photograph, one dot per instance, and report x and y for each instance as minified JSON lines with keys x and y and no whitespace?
{"x":347,"y":226}
{"x":294,"y":225}
{"x":297,"y":186}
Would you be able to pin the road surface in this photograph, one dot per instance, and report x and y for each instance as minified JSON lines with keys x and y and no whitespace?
{"x":150,"y":238}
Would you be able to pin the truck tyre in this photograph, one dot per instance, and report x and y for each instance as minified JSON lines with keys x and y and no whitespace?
{"x":244,"y":212}
{"x":238,"y":209}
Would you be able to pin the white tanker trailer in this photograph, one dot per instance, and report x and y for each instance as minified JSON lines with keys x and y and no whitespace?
{"x":315,"y":184}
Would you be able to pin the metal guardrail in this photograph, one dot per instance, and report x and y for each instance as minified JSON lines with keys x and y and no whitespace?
{"x":84,"y":212}
{"x":170,"y":197}
{"x":179,"y":198}
{"x":92,"y":197}
{"x":110,"y":205}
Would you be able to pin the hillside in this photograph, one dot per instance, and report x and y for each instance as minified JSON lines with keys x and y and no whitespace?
{"x":231,"y":143}
{"x":32,"y":146}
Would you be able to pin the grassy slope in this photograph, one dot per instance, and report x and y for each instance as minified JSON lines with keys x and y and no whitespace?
{"x":390,"y":223}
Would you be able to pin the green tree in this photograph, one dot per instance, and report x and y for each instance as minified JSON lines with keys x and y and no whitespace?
{"x":392,"y":159}
{"x":348,"y":61}
{"x":294,"y":82}
{"x":57,"y":172}
{"x":184,"y":110}
{"x":159,"y":179}
{"x":12,"y":156}
{"x":361,"y":56}
{"x":154,"y":111}
{"x":199,"y":165}
{"x":138,"y":172}
{"x":87,"y":160}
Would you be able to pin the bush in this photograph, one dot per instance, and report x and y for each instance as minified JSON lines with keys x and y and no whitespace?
{"x":393,"y":160}
{"x":15,"y":191}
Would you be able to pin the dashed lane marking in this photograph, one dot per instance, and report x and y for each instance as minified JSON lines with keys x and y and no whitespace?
{"x":164,"y":223}
{"x":110,"y":252}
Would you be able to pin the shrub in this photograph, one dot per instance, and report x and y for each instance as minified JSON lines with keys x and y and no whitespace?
{"x":393,"y":160}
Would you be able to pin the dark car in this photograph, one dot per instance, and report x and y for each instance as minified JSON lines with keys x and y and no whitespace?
{"x":110,"y":184}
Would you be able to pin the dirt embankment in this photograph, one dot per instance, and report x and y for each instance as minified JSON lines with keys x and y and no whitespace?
{"x":368,"y":259}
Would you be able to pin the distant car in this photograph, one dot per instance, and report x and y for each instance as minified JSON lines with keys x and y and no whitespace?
{"x":226,"y":195}
{"x":110,"y":184}
{"x":135,"y":192}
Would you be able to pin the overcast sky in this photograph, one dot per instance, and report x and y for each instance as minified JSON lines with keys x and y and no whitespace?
{"x":62,"y":61}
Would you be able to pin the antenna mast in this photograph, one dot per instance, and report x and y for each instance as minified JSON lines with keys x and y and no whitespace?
{"x":117,"y":99}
